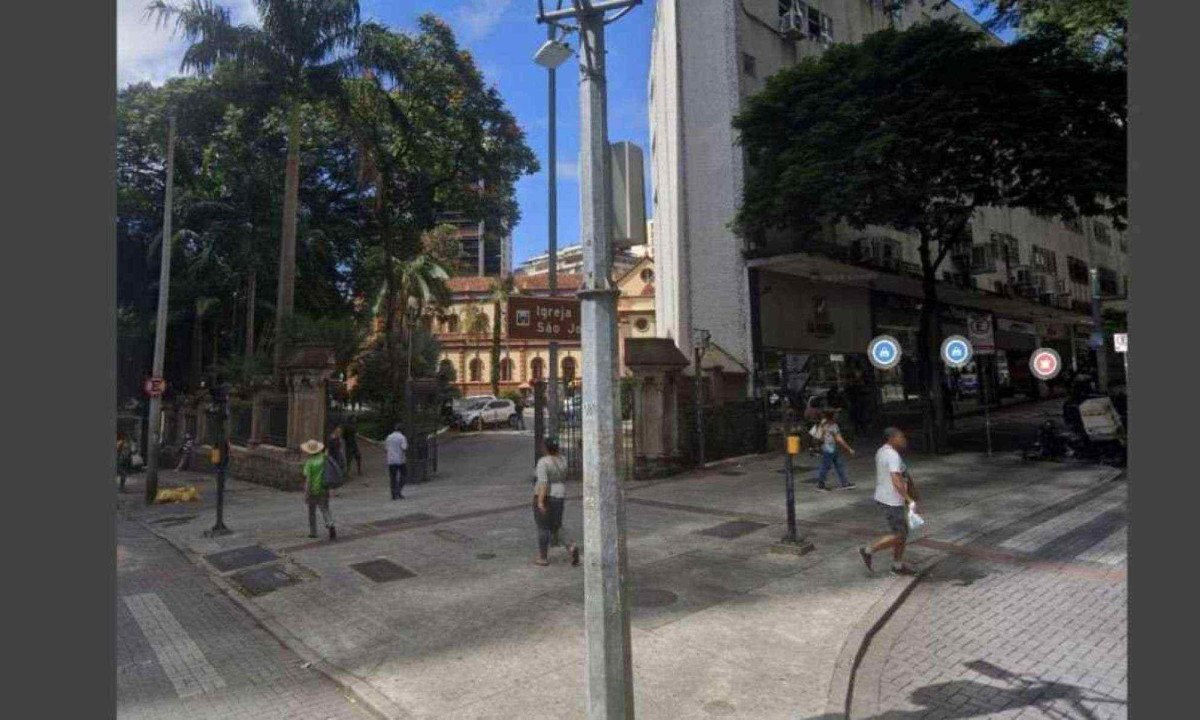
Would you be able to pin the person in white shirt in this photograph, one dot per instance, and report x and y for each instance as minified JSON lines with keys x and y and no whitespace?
{"x":396,"y":445}
{"x":894,"y":491}
{"x":549,"y":496}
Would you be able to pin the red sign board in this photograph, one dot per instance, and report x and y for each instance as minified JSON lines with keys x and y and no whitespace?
{"x":155,"y":386}
{"x":536,"y":318}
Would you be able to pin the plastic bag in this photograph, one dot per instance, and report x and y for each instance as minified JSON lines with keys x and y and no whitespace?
{"x":816,"y":432}
{"x":915,"y":521}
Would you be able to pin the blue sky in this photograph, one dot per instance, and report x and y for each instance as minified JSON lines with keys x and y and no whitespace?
{"x":502,"y":35}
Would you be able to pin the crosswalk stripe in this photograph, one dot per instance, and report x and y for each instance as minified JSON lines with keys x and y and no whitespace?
{"x":178,"y":655}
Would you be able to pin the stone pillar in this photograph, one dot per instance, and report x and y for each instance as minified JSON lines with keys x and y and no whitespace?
{"x":307,"y":371}
{"x":655,"y":364}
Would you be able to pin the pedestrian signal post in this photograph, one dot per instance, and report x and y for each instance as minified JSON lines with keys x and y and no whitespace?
{"x":792,"y":542}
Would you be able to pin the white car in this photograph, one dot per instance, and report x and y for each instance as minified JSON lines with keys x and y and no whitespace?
{"x":486,"y":413}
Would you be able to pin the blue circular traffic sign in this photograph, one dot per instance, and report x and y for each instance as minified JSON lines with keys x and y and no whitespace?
{"x":956,"y":351}
{"x":884,"y":352}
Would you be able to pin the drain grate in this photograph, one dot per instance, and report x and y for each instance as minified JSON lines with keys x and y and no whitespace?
{"x":173,"y":520}
{"x":381,"y":570}
{"x":732,"y":529}
{"x":402,"y":520}
{"x":238,"y":558}
{"x":263,"y":580}
{"x":485,"y":556}
{"x":731,"y":473}
{"x":452,"y":536}
{"x":653,"y":597}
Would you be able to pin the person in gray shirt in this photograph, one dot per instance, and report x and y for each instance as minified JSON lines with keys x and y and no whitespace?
{"x":549,"y":495}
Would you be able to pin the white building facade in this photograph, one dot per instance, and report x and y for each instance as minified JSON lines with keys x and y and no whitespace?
{"x":760,"y":306}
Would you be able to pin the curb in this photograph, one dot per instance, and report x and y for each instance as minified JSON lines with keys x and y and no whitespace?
{"x":360,"y":692}
{"x":854,"y":649}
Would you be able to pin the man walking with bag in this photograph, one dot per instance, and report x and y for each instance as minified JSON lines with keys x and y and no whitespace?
{"x":396,"y":445}
{"x":896,"y":495}
{"x":316,"y":491}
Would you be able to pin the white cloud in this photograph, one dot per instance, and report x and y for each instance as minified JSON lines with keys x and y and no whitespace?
{"x":146,"y":52}
{"x":477,"y":18}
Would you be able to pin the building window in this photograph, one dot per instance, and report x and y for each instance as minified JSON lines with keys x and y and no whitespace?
{"x":476,"y":370}
{"x":642,"y":324}
{"x":1101,"y":233}
{"x":536,"y":368}
{"x":1124,"y":245}
{"x":450,"y":324}
{"x":568,"y":369}
{"x":1043,"y":259}
{"x":983,"y":259}
{"x":1074,"y":226}
{"x":505,"y":370}
{"x":647,"y":276}
{"x":1108,"y":281}
{"x":799,"y":19}
{"x":1006,"y":248}
{"x":749,"y":65}
{"x":1077,"y":270}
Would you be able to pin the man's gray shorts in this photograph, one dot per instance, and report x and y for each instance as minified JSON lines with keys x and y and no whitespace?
{"x":897,"y":519}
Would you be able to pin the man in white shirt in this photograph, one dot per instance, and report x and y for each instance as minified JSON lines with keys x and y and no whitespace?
{"x":894,"y":491}
{"x":396,"y":445}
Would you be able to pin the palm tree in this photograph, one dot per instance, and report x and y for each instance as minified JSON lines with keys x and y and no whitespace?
{"x":415,"y":285}
{"x":298,"y":55}
{"x":501,"y":291}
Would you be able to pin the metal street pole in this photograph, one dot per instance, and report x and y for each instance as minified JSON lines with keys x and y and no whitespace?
{"x":160,"y":326}
{"x":222,"y":458}
{"x":552,"y":229}
{"x":1098,"y":333}
{"x":606,"y":594}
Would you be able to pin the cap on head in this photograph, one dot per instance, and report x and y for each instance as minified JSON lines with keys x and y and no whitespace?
{"x":312,"y":447}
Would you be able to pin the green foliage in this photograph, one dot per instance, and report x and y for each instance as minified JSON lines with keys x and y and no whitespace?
{"x":1096,"y":28}
{"x":342,"y":334}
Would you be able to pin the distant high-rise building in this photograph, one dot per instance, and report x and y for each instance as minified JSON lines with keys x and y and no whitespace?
{"x":486,"y":252}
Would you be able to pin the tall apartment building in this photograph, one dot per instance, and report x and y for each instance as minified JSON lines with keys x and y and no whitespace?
{"x":486,"y":252}
{"x":767,"y":308}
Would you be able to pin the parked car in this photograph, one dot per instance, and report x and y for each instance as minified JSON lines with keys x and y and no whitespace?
{"x":488,"y":413}
{"x":572,"y":406}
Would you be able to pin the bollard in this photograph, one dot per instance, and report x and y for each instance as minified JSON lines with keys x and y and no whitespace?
{"x":792,"y":542}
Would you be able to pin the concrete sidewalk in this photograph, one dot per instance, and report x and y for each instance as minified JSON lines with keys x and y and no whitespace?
{"x":721,"y":625}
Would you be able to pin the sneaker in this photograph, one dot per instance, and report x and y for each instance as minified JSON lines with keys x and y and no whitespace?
{"x":823,"y":486}
{"x":847,"y":486}
{"x":866,"y":558}
{"x":541,"y":562}
{"x":903,"y":570}
{"x":574,"y":550}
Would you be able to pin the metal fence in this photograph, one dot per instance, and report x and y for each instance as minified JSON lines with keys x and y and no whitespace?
{"x":275,"y":421}
{"x":241,"y":418}
{"x":732,"y":428}
{"x":570,"y":430}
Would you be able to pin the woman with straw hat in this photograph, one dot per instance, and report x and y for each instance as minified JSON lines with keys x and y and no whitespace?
{"x":316,"y":492}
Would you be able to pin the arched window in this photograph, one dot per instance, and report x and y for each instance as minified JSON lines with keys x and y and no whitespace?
{"x":451,"y":324}
{"x":476,"y":370}
{"x":536,"y":368}
{"x":647,"y":275}
{"x":505,"y":370}
{"x":568,"y":369}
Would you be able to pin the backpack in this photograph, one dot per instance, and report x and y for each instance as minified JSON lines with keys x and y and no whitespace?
{"x":333,"y":476}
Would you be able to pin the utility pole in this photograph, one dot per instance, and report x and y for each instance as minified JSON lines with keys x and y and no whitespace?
{"x":606,"y":596}
{"x":700,"y":340}
{"x":552,"y":229}
{"x":160,"y":326}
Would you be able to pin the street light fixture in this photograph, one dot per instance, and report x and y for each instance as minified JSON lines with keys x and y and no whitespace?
{"x":552,"y":53}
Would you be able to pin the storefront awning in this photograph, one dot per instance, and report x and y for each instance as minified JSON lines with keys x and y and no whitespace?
{"x":823,"y":269}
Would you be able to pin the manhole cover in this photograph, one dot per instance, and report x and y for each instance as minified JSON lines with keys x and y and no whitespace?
{"x":409,"y":519}
{"x":173,"y":519}
{"x":485,"y":556}
{"x":731,"y":473}
{"x":263,"y":580}
{"x":227,"y":560}
{"x":382,"y":570}
{"x":653,"y":597}
{"x":733,"y":529}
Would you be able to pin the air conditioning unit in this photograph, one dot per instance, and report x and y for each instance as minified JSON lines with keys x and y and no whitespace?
{"x":793,"y":25}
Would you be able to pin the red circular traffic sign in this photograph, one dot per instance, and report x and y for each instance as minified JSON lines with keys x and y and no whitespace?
{"x":155,"y":386}
{"x":1045,"y":364}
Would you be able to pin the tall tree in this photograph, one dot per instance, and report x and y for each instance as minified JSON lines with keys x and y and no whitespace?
{"x":916,"y":130}
{"x":299,"y":54}
{"x":1097,"y":28}
{"x":502,"y":289}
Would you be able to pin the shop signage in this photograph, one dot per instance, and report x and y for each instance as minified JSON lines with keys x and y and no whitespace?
{"x":982,"y":334}
{"x":535,"y":318}
{"x":1014,"y":326}
{"x":956,"y":351}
